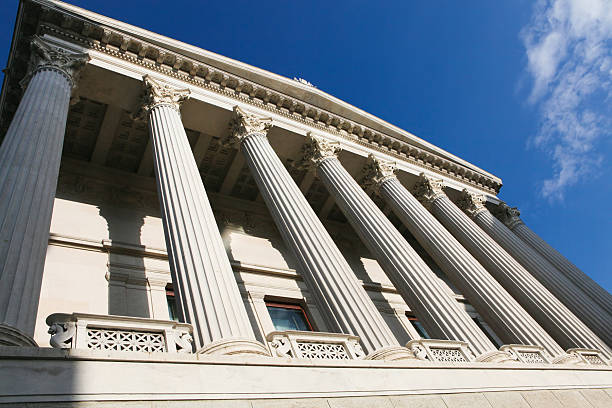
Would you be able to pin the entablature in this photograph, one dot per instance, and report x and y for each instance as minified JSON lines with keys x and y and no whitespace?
{"x":178,"y":62}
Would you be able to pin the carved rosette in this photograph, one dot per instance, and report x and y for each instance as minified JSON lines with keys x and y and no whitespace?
{"x":376,"y":172}
{"x":156,"y":93}
{"x":427,"y":189}
{"x":46,"y":57}
{"x":244,"y":124}
{"x":317,"y":150}
{"x":471,"y":203}
{"x":508,"y":215}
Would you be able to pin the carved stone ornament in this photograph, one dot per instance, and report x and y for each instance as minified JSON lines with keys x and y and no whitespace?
{"x":48,"y":57}
{"x":316,"y":150}
{"x":428,"y":189}
{"x":243,"y":124}
{"x":471,"y":203}
{"x":376,"y":172}
{"x":156,"y":93}
{"x":62,"y":334}
{"x":508,"y":215}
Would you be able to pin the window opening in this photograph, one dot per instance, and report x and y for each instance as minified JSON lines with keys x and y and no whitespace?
{"x":286,"y":316}
{"x":418,"y":326}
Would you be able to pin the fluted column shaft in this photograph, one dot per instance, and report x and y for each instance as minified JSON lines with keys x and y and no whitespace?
{"x":440,"y":313}
{"x":599,"y":295}
{"x":598,"y":320}
{"x":336,"y":291}
{"x":546,"y":309}
{"x":207,"y":292}
{"x":504,"y":314}
{"x":29,"y":168}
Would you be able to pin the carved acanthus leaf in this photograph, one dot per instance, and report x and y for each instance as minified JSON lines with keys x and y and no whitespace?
{"x":48,"y":57}
{"x":316,"y":150}
{"x":428,"y":189}
{"x":156,"y":93}
{"x":508,"y":215}
{"x":377,"y":171}
{"x":243,"y":124}
{"x":471,"y":203}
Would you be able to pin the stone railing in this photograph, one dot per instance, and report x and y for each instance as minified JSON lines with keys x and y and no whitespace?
{"x":314,"y":345}
{"x":447,"y":351}
{"x":589,"y":356}
{"x":527,"y":354}
{"x":118,"y":333}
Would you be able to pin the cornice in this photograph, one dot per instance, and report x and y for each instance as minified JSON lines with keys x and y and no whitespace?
{"x":113,"y":42}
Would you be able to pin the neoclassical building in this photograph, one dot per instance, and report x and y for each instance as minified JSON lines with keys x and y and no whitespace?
{"x":177,"y":227}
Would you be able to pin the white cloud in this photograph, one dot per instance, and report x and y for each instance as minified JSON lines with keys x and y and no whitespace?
{"x":569,"y":57}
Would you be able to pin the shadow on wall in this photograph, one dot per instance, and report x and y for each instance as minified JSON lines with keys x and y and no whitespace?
{"x":128,"y":293}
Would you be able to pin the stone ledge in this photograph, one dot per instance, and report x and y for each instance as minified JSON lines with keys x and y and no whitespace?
{"x":42,"y":375}
{"x":48,"y":353}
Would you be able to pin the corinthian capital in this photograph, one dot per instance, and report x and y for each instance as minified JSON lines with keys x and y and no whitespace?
{"x":471,"y":203}
{"x":427,"y":189}
{"x":376,"y":172}
{"x":316,"y":150}
{"x":48,"y":57}
{"x":508,"y":215}
{"x":243,"y":124}
{"x":157,"y":93}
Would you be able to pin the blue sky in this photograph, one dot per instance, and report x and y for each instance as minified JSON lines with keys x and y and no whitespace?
{"x":521,"y":88}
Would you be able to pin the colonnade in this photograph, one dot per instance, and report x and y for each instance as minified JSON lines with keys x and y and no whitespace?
{"x":512,"y":277}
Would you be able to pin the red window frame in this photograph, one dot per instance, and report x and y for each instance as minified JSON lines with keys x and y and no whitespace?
{"x":291,"y":306}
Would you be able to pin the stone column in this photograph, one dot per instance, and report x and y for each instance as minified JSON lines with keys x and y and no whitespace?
{"x":29,"y":167}
{"x":441,"y":315}
{"x":345,"y":305}
{"x":504,"y":314}
{"x":558,"y":284}
{"x":511,"y":218}
{"x":207,"y":293}
{"x":547,"y":310}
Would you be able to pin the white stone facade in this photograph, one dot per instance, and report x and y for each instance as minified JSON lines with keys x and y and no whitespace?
{"x":133,"y":167}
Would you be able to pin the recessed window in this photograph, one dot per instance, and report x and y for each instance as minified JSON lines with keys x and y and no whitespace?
{"x":286,"y":316}
{"x":418,"y":326}
{"x":170,"y":299}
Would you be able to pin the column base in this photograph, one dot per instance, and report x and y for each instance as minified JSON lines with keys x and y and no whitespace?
{"x":568,"y":358}
{"x":10,"y":336}
{"x":234,"y":346}
{"x":496,"y":357}
{"x":391,"y":353}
